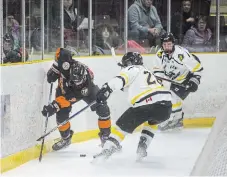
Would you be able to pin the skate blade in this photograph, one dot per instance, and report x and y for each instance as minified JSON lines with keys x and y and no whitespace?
{"x":139,"y":158}
{"x":65,"y":147}
{"x":169,"y":130}
{"x":99,"y":158}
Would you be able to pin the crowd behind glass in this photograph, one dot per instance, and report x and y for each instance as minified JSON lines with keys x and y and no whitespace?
{"x":193,"y":24}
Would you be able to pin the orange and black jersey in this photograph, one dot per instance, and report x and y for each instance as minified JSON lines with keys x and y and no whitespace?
{"x":60,"y":70}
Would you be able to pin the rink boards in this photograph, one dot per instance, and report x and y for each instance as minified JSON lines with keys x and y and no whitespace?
{"x":25,"y":90}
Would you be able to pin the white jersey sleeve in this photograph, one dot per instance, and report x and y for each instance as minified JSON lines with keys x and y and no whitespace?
{"x":124,"y":78}
{"x":157,"y":65}
{"x":192,"y":63}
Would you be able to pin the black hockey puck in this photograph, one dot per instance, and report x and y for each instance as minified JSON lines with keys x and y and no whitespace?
{"x":82,"y":155}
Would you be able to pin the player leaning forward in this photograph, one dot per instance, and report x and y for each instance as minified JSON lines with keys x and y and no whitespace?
{"x":150,"y":104}
{"x":75,"y":83}
{"x":177,"y":64}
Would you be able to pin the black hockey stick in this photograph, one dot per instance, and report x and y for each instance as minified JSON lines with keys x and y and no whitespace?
{"x":46,"y":122}
{"x":72,"y":116}
{"x":175,"y":83}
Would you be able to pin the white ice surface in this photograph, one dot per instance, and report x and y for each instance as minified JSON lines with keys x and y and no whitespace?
{"x":170,"y":154}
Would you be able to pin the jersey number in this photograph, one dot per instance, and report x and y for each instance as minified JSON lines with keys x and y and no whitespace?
{"x":149,"y":78}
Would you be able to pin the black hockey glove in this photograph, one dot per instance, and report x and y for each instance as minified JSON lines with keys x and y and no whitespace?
{"x":51,"y":76}
{"x":50,"y":109}
{"x":192,"y":84}
{"x":103,"y":94}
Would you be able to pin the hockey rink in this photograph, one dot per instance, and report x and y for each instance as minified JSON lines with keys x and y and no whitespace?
{"x":170,"y":154}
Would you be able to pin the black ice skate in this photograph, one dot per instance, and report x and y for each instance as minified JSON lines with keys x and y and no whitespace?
{"x":105,"y":138}
{"x":142,"y":149}
{"x":63,"y":143}
{"x":171,"y":125}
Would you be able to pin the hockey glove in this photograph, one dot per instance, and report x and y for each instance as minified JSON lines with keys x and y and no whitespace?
{"x":192,"y":84}
{"x":51,"y":76}
{"x":103,"y":94}
{"x":50,"y":109}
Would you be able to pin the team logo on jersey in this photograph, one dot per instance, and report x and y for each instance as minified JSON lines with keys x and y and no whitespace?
{"x":159,"y":54}
{"x":65,"y":65}
{"x":84,"y":91}
{"x":181,"y":57}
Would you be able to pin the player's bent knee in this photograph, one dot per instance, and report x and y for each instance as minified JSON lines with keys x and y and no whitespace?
{"x":125,"y":127}
{"x":103,"y":111}
{"x":63,"y":114}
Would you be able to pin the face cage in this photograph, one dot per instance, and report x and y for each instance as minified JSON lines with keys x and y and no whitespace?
{"x":77,"y":78}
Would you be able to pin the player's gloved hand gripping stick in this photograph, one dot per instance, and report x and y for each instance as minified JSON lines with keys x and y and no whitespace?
{"x":72,"y":116}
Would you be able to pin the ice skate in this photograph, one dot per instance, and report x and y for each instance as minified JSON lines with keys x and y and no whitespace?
{"x":171,"y":125}
{"x":63,"y":143}
{"x":106,"y":153}
{"x":103,"y":140}
{"x":110,"y":147}
{"x":142,"y":149}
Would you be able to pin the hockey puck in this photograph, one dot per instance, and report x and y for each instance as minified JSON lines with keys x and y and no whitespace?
{"x":82,"y":155}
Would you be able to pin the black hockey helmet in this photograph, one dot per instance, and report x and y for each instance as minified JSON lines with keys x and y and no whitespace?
{"x":131,"y":58}
{"x":63,"y":53}
{"x":78,"y":73}
{"x":167,"y":37}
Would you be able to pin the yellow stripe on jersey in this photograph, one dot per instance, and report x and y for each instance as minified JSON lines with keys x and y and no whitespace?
{"x":135,"y":98}
{"x":125,"y":76}
{"x":196,"y":67}
{"x":180,"y":78}
{"x":177,"y":105}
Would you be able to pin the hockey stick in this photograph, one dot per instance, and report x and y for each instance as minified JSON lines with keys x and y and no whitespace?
{"x":114,"y":55}
{"x":72,"y":116}
{"x":175,"y":83}
{"x":46,"y":122}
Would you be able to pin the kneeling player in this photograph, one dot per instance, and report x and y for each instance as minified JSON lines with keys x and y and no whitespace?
{"x":150,"y":103}
{"x":177,"y":64}
{"x":75,"y":83}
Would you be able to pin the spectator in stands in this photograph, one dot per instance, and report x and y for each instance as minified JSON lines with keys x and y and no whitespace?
{"x":11,"y":53}
{"x":199,"y":37}
{"x":182,"y":20}
{"x":144,"y":22}
{"x":72,"y":23}
{"x":223,"y":44}
{"x":104,"y":38}
{"x":14,"y":30}
{"x":70,"y":15}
